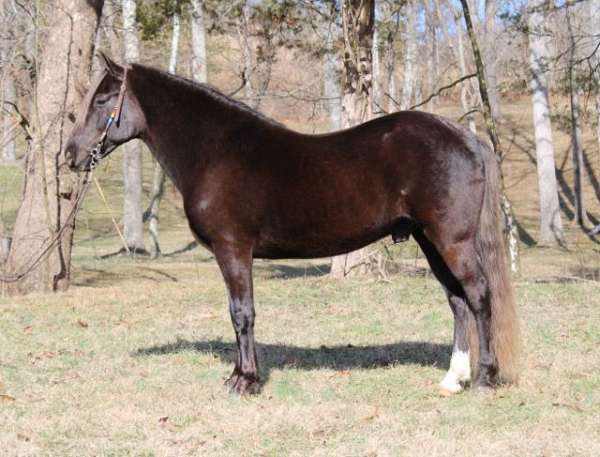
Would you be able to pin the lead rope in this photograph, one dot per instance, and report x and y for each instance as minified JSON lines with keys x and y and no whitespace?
{"x":36,"y":259}
{"x":112,"y":217}
{"x":95,"y":156}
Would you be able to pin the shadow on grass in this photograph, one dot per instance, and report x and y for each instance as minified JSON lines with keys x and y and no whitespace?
{"x":94,"y":277}
{"x":346,"y":357}
{"x":283,"y":271}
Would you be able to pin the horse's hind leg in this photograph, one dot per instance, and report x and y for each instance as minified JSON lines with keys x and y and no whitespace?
{"x":459,"y":372}
{"x":235,"y":262}
{"x":463,"y":262}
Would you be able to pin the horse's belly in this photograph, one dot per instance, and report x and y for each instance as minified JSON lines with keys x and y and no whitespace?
{"x":316,"y":242}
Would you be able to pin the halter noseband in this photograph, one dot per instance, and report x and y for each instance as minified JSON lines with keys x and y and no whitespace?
{"x":97,"y":153}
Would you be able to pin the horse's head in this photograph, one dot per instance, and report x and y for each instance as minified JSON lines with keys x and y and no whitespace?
{"x":109,"y":116}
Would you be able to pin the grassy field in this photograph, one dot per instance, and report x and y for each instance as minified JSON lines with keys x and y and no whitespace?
{"x":132,"y":359}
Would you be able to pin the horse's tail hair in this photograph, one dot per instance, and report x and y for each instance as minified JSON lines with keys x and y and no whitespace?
{"x":504,"y":327}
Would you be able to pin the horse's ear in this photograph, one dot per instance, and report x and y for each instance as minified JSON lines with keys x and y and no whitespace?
{"x":111,"y":66}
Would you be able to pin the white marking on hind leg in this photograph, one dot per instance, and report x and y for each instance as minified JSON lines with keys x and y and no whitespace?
{"x":458,"y":373}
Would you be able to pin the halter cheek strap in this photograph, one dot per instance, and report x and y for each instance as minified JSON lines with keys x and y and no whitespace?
{"x":97,"y":153}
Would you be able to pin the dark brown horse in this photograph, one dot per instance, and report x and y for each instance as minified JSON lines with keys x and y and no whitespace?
{"x":254,"y":189}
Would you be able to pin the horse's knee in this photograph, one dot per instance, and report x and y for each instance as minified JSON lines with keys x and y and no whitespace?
{"x":242,"y":314}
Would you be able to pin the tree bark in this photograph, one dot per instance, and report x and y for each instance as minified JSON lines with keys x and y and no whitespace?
{"x":490,"y":36}
{"x":158,"y":183}
{"x":432,"y":53}
{"x":332,"y":83}
{"x":51,"y":190}
{"x":133,"y":226}
{"x":578,"y":152}
{"x":464,"y":89}
{"x":358,"y":18}
{"x":511,"y":227}
{"x":576,"y":134}
{"x":4,"y":243}
{"x":199,"y":56}
{"x":8,"y":141}
{"x":375,"y":52}
{"x":466,"y":101}
{"x":410,"y":51}
{"x":551,"y":230}
{"x":8,"y":147}
{"x":390,"y":64}
{"x":243,"y":30}
{"x":594,"y":8}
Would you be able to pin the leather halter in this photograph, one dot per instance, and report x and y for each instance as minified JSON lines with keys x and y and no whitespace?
{"x":97,"y":153}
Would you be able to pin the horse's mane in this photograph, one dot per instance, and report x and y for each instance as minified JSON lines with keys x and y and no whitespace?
{"x":208,"y":90}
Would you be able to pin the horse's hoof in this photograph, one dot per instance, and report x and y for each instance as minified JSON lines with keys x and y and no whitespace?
{"x":449,"y":388}
{"x":484,"y":386}
{"x":239,"y":384}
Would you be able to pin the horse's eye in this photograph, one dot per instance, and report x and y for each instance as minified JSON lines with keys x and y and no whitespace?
{"x":101,"y":101}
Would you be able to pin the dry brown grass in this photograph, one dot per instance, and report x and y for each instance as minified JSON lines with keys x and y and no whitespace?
{"x":130,"y":362}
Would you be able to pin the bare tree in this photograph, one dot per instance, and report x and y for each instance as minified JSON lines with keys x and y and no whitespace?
{"x":467,"y":100}
{"x":331,"y":84}
{"x":594,"y":14}
{"x":511,"y":226}
{"x":410,"y":55}
{"x":199,"y":58}
{"x":133,"y":227}
{"x":551,"y":230}
{"x":490,"y":36}
{"x":375,"y":52}
{"x":576,"y":134}
{"x":432,"y":52}
{"x":158,"y":182}
{"x":243,"y":30}
{"x":358,"y":18}
{"x":45,"y":219}
{"x":8,"y":129}
{"x":4,"y":244}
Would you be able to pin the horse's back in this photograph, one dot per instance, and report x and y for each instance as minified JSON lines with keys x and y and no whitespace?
{"x":318,"y":195}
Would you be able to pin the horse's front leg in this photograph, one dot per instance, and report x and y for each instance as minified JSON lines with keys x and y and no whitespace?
{"x":235,"y":261}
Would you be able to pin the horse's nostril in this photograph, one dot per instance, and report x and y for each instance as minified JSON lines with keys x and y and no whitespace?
{"x":70,"y":157}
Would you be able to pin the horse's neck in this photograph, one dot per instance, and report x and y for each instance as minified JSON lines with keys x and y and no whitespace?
{"x":186,"y":129}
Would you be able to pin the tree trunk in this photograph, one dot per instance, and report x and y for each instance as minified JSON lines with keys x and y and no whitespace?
{"x":158,"y":183}
{"x":332,"y":83}
{"x":133,"y":226}
{"x":8,"y":141}
{"x":511,"y":226}
{"x":243,"y":30}
{"x":594,"y":8}
{"x":576,"y":135}
{"x":51,"y":190}
{"x":459,"y":53}
{"x":199,"y":59}
{"x":464,"y":89}
{"x":8,"y":147}
{"x":4,"y":243}
{"x":376,"y":69}
{"x":577,"y":150}
{"x":432,"y":54}
{"x":410,"y":54}
{"x":390,"y":64}
{"x":358,"y":20}
{"x":490,"y":36}
{"x":551,"y":230}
